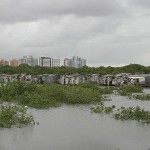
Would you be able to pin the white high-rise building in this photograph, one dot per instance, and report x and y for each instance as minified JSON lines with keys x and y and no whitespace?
{"x":49,"y":62}
{"x":67,"y":62}
{"x":23,"y":60}
{"x":55,"y":62}
{"x":31,"y":61}
{"x":83,"y":62}
{"x":45,"y":61}
{"x":76,"y":62}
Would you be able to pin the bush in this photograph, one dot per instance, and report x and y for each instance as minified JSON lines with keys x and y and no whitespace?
{"x":101,"y":89}
{"x":133,"y":113}
{"x":129,"y":89}
{"x":11,"y":91}
{"x":145,"y":97}
{"x":48,"y":95}
{"x":14,"y":116}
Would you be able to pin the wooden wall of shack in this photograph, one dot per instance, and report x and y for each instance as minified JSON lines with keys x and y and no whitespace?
{"x":147,"y":81}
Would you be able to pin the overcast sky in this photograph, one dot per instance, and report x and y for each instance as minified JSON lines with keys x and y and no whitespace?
{"x":104,"y":32}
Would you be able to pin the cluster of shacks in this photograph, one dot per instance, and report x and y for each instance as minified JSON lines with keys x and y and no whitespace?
{"x":125,"y":79}
{"x":107,"y":80}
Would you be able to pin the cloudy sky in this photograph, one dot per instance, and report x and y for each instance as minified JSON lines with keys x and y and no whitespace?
{"x":104,"y":32}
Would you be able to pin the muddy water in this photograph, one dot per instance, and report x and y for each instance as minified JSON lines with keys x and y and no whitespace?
{"x":76,"y":128}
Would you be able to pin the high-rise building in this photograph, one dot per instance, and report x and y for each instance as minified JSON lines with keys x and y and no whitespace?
{"x":76,"y":62}
{"x":49,"y":62}
{"x":31,"y":61}
{"x":23,"y":60}
{"x":83,"y":62}
{"x":55,"y":62}
{"x":45,"y":61}
{"x":67,"y":62}
{"x":14,"y":63}
{"x":4,"y":62}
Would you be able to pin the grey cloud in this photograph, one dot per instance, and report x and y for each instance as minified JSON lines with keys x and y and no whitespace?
{"x":26,"y":10}
{"x":143,"y":3}
{"x":91,"y":7}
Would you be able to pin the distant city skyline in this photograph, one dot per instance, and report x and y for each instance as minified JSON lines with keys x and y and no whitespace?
{"x":45,"y":61}
{"x":8,"y":58}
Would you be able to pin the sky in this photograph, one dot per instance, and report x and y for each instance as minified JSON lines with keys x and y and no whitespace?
{"x":104,"y":32}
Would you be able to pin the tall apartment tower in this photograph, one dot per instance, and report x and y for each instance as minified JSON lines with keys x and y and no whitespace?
{"x":49,"y":62}
{"x":45,"y":61}
{"x":67,"y":62}
{"x":14,"y":63}
{"x":55,"y":62}
{"x":4,"y":62}
{"x":76,"y":62}
{"x":31,"y":61}
{"x":83,"y":62}
{"x":23,"y":60}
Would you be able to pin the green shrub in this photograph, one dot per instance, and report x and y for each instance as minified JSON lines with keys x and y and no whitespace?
{"x":101,"y":89}
{"x":14,"y":116}
{"x":133,"y":113}
{"x":38,"y":101}
{"x":142,"y":97}
{"x":48,"y":95}
{"x":129,"y":89}
{"x":11,"y":91}
{"x":79,"y":95}
{"x":102,"y":109}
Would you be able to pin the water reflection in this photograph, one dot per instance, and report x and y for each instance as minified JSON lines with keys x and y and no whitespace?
{"x":76,"y":128}
{"x":15,"y":138}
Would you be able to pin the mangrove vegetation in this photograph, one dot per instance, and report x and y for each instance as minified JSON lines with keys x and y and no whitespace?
{"x":129,"y":89}
{"x":50,"y":95}
{"x":44,"y":96}
{"x":143,"y":97}
{"x":131,"y":113}
{"x":14,"y":116}
{"x":24,"y":68}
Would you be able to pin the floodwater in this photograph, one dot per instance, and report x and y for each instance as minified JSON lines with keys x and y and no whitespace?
{"x":76,"y":128}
